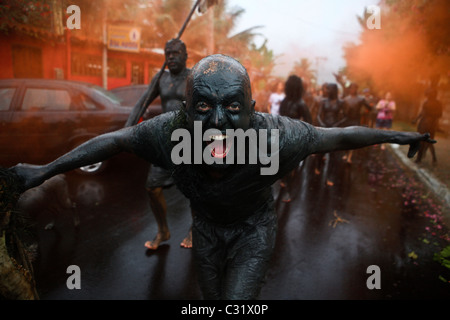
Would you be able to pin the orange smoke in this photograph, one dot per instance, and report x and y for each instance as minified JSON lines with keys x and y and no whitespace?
{"x":411,"y":47}
{"x":393,"y":62}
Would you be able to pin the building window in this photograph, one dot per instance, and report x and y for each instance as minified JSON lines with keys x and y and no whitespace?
{"x":117,"y":68}
{"x":86,"y":65}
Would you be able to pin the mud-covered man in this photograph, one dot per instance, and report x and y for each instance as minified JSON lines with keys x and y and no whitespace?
{"x":235,"y":223}
{"x":171,"y":87}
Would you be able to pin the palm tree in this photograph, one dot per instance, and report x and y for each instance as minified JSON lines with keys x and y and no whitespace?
{"x":303,"y":69}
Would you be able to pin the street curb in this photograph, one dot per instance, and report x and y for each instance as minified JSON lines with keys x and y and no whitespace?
{"x":438,"y":188}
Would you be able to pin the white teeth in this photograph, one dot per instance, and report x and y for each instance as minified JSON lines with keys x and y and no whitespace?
{"x":218,"y":137}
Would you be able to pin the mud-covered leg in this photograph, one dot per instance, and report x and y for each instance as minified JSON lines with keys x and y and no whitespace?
{"x":159,"y":208}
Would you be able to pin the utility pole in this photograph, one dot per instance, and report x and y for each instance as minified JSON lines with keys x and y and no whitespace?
{"x":105,"y":49}
{"x":318,"y":59}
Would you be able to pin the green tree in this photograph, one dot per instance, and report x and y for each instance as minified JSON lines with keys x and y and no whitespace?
{"x":304,"y":69}
{"x":33,"y":13}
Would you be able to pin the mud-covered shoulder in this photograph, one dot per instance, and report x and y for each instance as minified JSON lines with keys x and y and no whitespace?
{"x":151,"y":138}
{"x":291,"y":131}
{"x":296,"y":138}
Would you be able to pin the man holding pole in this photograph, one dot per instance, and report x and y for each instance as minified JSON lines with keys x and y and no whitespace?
{"x":171,"y":87}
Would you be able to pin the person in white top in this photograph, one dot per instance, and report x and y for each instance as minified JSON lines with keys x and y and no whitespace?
{"x":275,"y":100}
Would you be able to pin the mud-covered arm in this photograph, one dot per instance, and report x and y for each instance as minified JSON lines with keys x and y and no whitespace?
{"x":144,"y":101}
{"x":367,"y":105}
{"x":354,"y":137}
{"x":95,"y":150}
{"x":340,"y":122}
{"x":420,"y":114}
{"x":306,"y":113}
{"x":319,"y":115}
{"x":339,"y":80}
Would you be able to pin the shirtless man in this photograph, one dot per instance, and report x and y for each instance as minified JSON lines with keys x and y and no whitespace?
{"x":171,"y":88}
{"x":235,"y":223}
{"x":330,"y":114}
{"x":353,"y":104}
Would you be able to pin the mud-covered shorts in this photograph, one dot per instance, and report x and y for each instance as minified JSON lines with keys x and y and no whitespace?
{"x":232,"y":260}
{"x":159,"y":177}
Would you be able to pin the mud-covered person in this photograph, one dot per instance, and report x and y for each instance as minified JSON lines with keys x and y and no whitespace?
{"x":171,"y":88}
{"x":235,"y":223}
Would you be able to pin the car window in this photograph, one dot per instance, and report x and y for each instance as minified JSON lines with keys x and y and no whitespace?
{"x":46,"y":99}
{"x":6,"y":95}
{"x":129,"y":96}
{"x":89,"y":104}
{"x":105,"y":94}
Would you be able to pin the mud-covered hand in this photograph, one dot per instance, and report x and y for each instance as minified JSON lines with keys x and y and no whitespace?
{"x":414,"y":146}
{"x":29,"y":175}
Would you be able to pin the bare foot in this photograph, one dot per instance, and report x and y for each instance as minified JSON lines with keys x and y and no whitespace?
{"x":160,"y":237}
{"x":187,"y":242}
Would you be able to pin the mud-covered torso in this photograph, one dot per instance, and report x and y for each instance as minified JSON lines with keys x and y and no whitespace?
{"x":353,"y":106}
{"x":172,"y":90}
{"x":295,"y":109}
{"x":331,"y":112}
{"x":242,"y":190}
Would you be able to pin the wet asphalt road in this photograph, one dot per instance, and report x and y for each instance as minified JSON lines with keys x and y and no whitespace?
{"x":328,"y":236}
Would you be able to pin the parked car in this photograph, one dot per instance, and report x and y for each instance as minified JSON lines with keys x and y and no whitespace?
{"x":41,"y":119}
{"x":129,"y":95}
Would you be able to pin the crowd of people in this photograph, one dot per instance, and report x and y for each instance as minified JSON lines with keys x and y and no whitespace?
{"x":328,"y":108}
{"x":325,"y":107}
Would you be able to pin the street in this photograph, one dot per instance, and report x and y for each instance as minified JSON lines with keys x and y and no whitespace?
{"x":369,"y":213}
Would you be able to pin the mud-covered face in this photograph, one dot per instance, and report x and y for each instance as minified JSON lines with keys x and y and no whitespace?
{"x":219,"y":96}
{"x":176,"y":57}
{"x":353,"y":89}
{"x":332,"y":91}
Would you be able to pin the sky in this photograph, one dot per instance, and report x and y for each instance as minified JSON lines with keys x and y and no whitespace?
{"x":295,"y":29}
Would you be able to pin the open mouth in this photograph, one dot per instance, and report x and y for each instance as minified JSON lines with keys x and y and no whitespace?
{"x":220,"y":145}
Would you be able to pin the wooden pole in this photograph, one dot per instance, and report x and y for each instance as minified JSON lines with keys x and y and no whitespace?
{"x":144,"y":100}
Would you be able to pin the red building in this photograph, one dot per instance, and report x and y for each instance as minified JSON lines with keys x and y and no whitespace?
{"x":29,"y":52}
